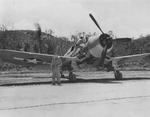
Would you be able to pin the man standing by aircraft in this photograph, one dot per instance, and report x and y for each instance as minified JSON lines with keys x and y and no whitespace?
{"x":56,"y":64}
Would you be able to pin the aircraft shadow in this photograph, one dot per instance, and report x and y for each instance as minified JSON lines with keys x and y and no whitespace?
{"x":106,"y":80}
{"x":80,"y":80}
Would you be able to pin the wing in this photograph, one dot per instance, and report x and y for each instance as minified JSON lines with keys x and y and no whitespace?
{"x":136,"y":61}
{"x":131,"y":56}
{"x":17,"y":57}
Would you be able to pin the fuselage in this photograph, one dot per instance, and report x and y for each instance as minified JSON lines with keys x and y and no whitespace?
{"x":93,"y":46}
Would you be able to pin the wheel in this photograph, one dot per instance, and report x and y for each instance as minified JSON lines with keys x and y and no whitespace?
{"x":62,"y":76}
{"x":72,"y":77}
{"x":118,"y":75}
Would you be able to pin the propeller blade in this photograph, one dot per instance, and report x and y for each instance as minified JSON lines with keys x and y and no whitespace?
{"x":103,"y":56}
{"x":92,"y":17}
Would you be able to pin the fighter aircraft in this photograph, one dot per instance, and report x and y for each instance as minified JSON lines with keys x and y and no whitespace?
{"x":93,"y":53}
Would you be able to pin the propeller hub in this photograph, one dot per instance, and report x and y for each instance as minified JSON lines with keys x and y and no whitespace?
{"x":105,"y":39}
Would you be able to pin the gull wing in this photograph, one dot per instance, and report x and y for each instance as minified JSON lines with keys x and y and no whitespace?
{"x":137,"y":61}
{"x":14,"y":56}
{"x":131,"y":56}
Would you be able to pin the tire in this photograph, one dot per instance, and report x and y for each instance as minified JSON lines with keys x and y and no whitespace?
{"x":118,"y":75}
{"x":72,"y":77}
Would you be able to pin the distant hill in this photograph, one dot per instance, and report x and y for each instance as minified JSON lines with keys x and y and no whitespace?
{"x":128,"y":46}
{"x":27,"y":40}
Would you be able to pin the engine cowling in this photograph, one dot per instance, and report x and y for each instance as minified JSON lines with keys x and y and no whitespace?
{"x":97,"y":44}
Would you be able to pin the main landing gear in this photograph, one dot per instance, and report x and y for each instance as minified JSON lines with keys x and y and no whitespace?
{"x":68,"y":66}
{"x":72,"y":77}
{"x":117,"y":73}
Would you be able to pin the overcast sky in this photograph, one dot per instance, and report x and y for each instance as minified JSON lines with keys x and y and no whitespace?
{"x":126,"y":18}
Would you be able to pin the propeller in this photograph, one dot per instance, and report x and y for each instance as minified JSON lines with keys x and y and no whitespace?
{"x":104,"y":41}
{"x":103,"y":56}
{"x":92,"y":17}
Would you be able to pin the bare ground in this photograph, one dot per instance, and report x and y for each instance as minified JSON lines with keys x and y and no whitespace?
{"x":95,"y":94}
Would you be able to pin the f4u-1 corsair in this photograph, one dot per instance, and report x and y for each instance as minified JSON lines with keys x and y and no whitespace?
{"x":93,"y":53}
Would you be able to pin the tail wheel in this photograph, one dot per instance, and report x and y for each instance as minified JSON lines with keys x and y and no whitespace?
{"x":72,"y":77}
{"x":118,"y":75}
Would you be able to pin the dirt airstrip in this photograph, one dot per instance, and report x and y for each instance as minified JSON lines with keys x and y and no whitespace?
{"x":94,"y":94}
